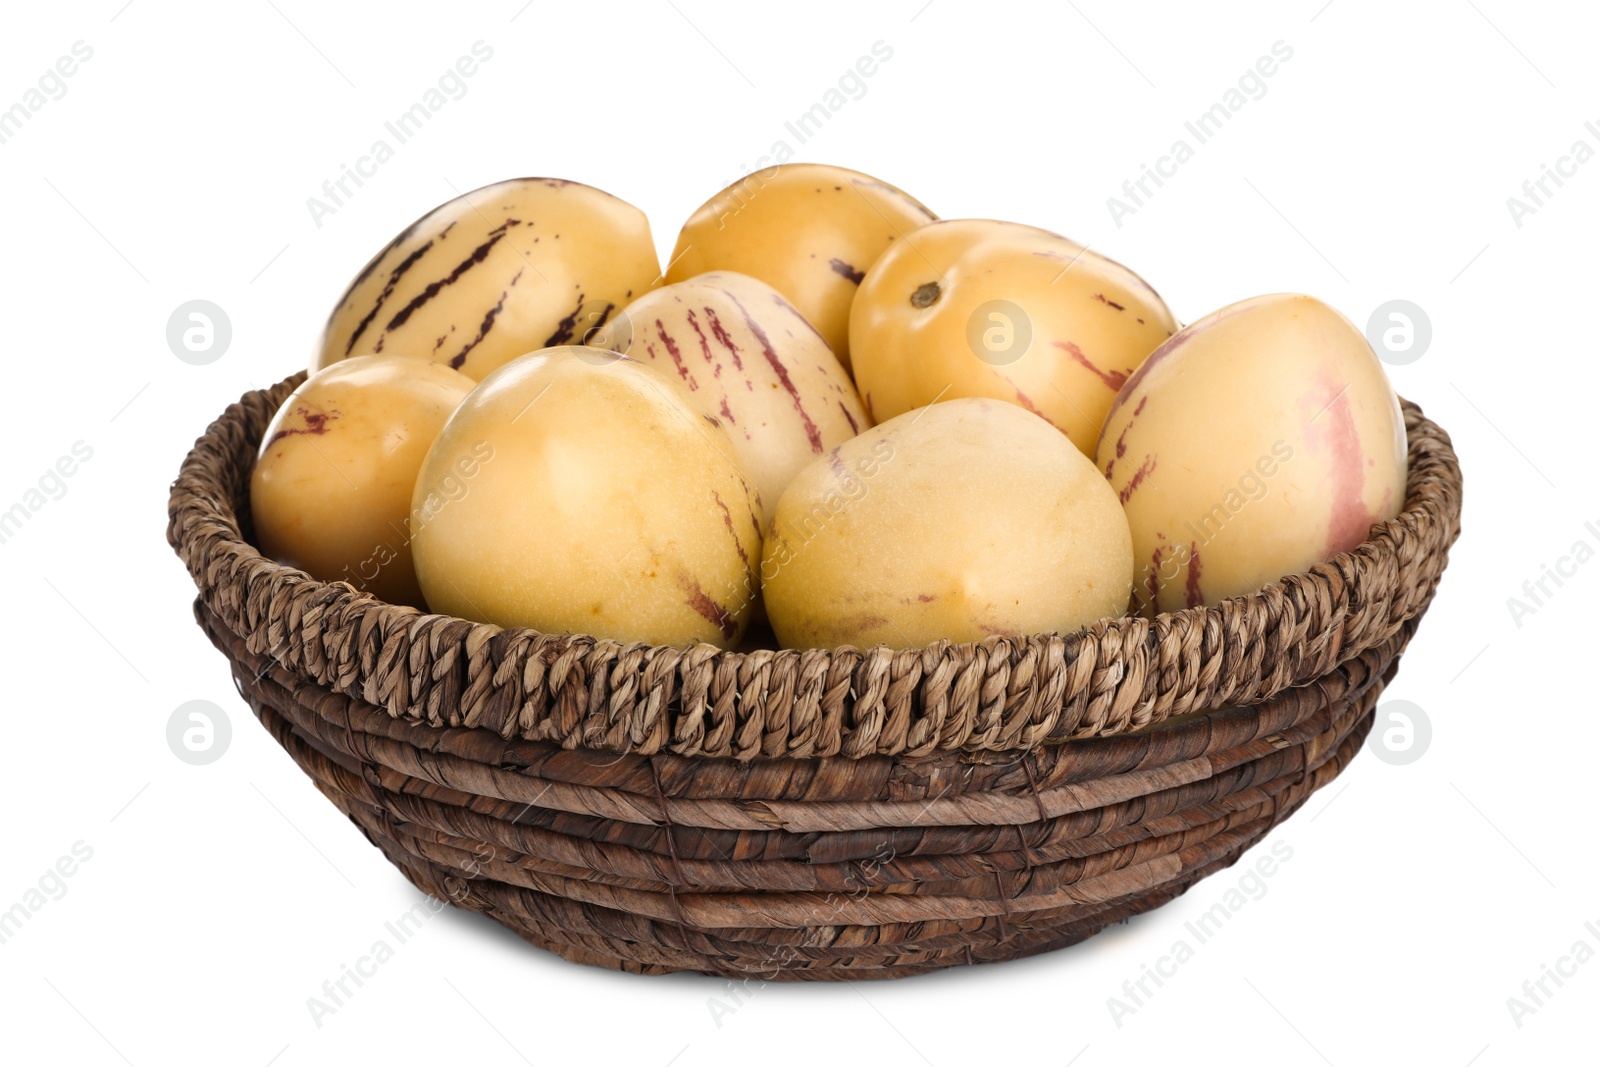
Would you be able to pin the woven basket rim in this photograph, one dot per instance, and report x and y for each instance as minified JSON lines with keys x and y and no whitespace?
{"x":999,"y":695}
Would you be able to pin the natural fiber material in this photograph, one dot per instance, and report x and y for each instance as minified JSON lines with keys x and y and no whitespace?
{"x":843,"y":814}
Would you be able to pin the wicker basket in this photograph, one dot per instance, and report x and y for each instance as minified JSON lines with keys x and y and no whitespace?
{"x":810,"y":814}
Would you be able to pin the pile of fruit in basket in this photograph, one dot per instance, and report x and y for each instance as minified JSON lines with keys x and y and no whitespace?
{"x":834,"y":416}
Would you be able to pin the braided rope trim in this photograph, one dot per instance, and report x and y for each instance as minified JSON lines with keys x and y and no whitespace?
{"x":1001,"y":694}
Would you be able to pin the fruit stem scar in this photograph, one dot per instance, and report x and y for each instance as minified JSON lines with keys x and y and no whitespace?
{"x":926,"y":295}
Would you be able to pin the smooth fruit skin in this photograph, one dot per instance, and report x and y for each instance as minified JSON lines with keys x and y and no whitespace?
{"x":524,"y":264}
{"x":1262,"y":439}
{"x":332,"y":483}
{"x":976,"y":307}
{"x":958,"y":521}
{"x":742,"y":353}
{"x":575,"y":491}
{"x":809,"y":230}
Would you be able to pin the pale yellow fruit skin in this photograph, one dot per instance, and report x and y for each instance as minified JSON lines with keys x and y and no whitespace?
{"x":742,"y":353}
{"x":332,"y":483}
{"x":1092,"y":322}
{"x":958,"y":521}
{"x":809,"y":230}
{"x":535,"y":262}
{"x":575,"y":491}
{"x":1262,"y":439}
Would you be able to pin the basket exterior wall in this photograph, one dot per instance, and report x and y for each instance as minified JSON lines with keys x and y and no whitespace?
{"x":845,"y":814}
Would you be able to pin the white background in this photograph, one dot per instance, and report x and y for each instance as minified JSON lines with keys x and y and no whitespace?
{"x":1377,"y":166}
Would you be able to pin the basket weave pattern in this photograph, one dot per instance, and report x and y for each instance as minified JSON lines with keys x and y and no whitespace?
{"x":810,"y":814}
